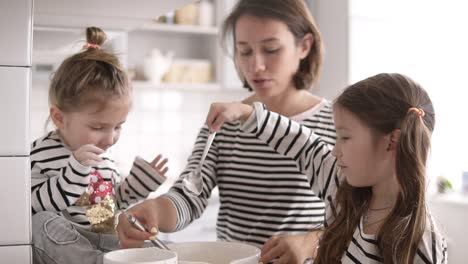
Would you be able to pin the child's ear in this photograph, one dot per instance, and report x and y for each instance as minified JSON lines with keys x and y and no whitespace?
{"x":306,"y":44}
{"x":57,"y":116}
{"x":394,"y":138}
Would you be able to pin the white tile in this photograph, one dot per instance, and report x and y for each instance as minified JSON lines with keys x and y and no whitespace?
{"x":150,"y":122}
{"x":16,"y":30}
{"x":171,"y":100}
{"x":15,"y":196}
{"x":14,"y":111}
{"x":148,"y":100}
{"x":16,"y":254}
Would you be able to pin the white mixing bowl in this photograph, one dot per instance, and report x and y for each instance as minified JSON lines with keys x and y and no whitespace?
{"x":140,"y":256}
{"x":215,"y":253}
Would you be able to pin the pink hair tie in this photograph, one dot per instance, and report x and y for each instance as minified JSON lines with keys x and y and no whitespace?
{"x":418,"y":111}
{"x":91,"y":46}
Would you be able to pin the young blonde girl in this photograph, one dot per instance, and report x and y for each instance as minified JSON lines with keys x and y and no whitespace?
{"x":373,"y":181}
{"x":76,"y":189}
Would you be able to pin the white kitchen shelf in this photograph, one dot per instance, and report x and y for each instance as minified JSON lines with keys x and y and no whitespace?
{"x":136,"y":35}
{"x":194,"y":87}
{"x":189,"y":29}
{"x":113,"y":14}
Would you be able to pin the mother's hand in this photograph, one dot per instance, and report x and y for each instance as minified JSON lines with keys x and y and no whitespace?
{"x":220,"y":113}
{"x":131,"y":237}
{"x":290,"y":248}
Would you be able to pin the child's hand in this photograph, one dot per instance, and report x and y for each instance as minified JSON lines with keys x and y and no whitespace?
{"x":226,"y":112}
{"x":160,"y":165}
{"x":88,"y":155}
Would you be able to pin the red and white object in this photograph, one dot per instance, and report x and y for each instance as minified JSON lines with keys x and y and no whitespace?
{"x":99,"y":188}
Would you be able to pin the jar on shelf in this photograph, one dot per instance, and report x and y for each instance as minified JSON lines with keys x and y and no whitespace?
{"x":187,"y":15}
{"x":206,"y":13}
{"x":189,"y":71}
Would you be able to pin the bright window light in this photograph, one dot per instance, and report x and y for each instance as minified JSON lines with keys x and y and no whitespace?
{"x":428,"y":41}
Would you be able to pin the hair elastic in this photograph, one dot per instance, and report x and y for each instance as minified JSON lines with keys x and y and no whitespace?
{"x":91,"y":46}
{"x":418,"y":111}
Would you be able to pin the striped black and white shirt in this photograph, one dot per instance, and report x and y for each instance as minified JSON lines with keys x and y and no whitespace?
{"x":314,"y":158}
{"x":262,"y":193}
{"x":59,"y":180}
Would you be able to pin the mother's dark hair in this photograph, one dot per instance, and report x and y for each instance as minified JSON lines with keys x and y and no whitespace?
{"x":295,"y":14}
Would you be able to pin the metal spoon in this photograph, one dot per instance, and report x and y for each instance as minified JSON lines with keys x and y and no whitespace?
{"x":130,"y":218}
{"x":193,"y":181}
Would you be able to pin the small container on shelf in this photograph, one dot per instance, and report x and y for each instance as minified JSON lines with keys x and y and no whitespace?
{"x":206,"y":13}
{"x":189,"y":71}
{"x":168,"y":18}
{"x":187,"y":15}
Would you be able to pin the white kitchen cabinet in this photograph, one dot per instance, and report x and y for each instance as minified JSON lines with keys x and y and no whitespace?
{"x":15,"y":32}
{"x":187,"y":42}
{"x":115,"y":14}
{"x":16,"y":202}
{"x":15,"y":254}
{"x":14,"y":110}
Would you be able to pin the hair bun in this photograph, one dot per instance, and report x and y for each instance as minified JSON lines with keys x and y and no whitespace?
{"x":95,"y":37}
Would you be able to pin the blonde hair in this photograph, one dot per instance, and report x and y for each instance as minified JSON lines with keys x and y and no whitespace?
{"x":295,"y":14}
{"x":90,"y":76}
{"x":382,"y":103}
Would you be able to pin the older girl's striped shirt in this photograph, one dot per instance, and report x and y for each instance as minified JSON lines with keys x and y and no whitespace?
{"x":58,"y":180}
{"x":262,"y":193}
{"x":314,"y":158}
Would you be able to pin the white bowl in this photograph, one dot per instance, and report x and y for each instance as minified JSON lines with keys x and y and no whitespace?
{"x":140,"y":256}
{"x":215,"y":253}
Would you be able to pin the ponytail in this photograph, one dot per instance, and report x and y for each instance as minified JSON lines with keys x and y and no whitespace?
{"x":387,"y":102}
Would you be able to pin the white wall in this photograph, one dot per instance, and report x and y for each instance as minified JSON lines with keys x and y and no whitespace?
{"x":332,"y":19}
{"x":452,"y":213}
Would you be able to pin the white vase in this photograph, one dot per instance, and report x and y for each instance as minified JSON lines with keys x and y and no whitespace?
{"x":156,"y":65}
{"x":205,"y":13}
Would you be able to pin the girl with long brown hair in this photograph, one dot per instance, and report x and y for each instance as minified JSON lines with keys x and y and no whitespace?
{"x":373,"y":181}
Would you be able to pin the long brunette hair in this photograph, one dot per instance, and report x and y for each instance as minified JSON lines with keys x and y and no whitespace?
{"x":383,"y":102}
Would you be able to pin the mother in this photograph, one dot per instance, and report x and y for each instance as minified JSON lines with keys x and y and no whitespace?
{"x":265,"y":200}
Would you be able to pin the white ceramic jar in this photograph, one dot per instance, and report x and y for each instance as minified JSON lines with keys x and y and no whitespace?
{"x":206,"y":13}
